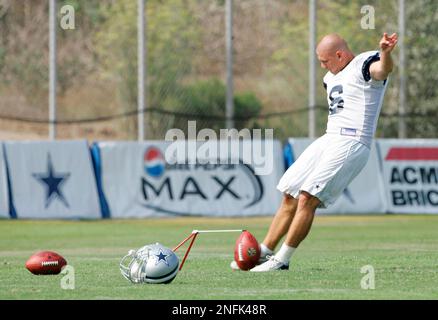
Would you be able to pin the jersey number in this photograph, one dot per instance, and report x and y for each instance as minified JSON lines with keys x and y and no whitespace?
{"x":337,"y":103}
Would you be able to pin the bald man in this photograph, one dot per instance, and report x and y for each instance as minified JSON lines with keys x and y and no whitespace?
{"x":355,"y":89}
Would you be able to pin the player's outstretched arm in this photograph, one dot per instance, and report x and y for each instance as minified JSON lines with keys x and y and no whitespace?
{"x":380,"y":70}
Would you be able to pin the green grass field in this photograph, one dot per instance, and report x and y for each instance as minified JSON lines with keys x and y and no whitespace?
{"x":402,"y":249}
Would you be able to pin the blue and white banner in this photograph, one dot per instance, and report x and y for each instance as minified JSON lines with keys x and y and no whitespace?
{"x":410,"y":175}
{"x":4,"y":199}
{"x":53,"y":180}
{"x":364,"y":195}
{"x":138,"y":180}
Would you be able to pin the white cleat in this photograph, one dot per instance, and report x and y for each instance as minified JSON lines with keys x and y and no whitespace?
{"x":262,"y":259}
{"x":271,"y":265}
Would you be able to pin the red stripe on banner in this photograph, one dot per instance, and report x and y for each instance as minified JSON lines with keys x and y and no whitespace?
{"x":412,"y":154}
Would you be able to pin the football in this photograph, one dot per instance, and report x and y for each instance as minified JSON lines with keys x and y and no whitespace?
{"x":45,"y":262}
{"x":246,"y":251}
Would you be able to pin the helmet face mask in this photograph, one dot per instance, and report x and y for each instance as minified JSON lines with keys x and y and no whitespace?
{"x":150,"y":264}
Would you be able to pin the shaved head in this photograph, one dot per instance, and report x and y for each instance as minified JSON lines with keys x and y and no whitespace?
{"x":333,"y":53}
{"x":332,"y":43}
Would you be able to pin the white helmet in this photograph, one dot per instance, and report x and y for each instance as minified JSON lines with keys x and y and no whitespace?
{"x":153,"y":263}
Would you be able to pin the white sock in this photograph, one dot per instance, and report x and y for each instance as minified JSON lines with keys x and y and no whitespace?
{"x":264,"y":250}
{"x":285,"y":253}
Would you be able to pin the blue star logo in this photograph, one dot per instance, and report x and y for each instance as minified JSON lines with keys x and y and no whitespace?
{"x":53,"y":182}
{"x":162,"y":257}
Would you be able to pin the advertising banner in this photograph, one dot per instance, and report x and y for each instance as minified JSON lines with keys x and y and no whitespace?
{"x":158,"y":178}
{"x":410,"y":174}
{"x":52,"y":180}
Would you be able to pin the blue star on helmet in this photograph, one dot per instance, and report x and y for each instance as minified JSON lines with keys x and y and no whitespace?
{"x":162,"y":257}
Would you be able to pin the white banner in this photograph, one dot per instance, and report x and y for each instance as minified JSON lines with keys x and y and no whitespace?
{"x":410,"y":173}
{"x":4,"y":199}
{"x":365,"y":193}
{"x":52,"y":180}
{"x":141,"y":180}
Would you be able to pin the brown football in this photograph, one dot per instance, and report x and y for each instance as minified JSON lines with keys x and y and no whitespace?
{"x":45,"y":262}
{"x":246,"y":251}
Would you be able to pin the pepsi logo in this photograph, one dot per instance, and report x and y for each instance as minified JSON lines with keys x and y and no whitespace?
{"x":154,"y":163}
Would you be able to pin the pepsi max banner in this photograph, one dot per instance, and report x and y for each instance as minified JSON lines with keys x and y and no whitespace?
{"x":365,"y":194}
{"x":4,"y":199}
{"x":184,"y":178}
{"x":410,"y":175}
{"x":53,"y":180}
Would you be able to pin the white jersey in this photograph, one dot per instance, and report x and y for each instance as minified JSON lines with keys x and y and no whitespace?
{"x":355,"y":99}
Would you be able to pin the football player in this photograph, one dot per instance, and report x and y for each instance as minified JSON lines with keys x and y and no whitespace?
{"x":355,"y":90}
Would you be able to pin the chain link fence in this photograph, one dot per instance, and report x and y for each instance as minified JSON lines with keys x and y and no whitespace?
{"x":97,"y":66}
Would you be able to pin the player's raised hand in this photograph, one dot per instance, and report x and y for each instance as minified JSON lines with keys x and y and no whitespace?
{"x":388,"y":43}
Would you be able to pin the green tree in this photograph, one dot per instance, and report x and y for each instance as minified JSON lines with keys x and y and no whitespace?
{"x":172,"y":37}
{"x":207,"y":99}
{"x":422,"y":67}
